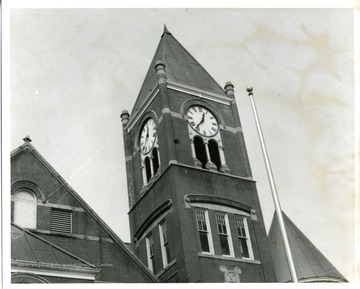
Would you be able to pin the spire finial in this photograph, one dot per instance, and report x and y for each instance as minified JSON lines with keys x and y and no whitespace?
{"x":166,"y":30}
{"x":27,"y":139}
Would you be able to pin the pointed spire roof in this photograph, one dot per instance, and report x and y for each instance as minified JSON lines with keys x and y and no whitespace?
{"x":310,"y":264}
{"x":180,"y":67}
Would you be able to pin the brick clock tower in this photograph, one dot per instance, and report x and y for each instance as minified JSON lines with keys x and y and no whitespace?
{"x":194,"y":212}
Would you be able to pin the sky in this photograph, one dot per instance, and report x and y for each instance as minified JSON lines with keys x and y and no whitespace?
{"x":73,"y":71}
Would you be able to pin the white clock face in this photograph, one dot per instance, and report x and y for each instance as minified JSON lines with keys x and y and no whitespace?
{"x":148,"y":136}
{"x":202,"y":121}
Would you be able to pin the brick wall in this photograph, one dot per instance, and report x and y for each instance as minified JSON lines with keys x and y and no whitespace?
{"x":179,"y":181}
{"x":115,"y":263}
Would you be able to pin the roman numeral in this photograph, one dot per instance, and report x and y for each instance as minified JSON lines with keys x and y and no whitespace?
{"x":213,"y":128}
{"x":192,"y":123}
{"x":190,"y":117}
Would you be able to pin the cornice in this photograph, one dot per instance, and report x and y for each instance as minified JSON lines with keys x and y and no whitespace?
{"x":200,"y":93}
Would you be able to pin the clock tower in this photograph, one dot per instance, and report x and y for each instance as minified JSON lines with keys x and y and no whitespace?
{"x":194,"y":212}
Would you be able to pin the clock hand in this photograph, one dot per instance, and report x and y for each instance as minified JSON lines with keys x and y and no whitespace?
{"x":202,"y":120}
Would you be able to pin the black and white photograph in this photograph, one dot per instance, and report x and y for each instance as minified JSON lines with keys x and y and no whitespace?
{"x":179,"y":144}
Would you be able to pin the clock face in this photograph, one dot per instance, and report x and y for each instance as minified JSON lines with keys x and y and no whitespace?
{"x":148,"y":136}
{"x":202,"y":121}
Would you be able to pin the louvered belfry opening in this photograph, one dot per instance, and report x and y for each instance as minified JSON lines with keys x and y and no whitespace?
{"x":61,"y":221}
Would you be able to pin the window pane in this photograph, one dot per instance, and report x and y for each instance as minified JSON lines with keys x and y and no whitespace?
{"x":200,"y":216}
{"x":150,"y":252}
{"x":167,"y":253}
{"x":148,"y":169}
{"x":204,"y":242}
{"x":244,"y":248}
{"x":24,"y":196}
{"x":155,"y":160}
{"x":164,"y":244}
{"x":220,"y":219}
{"x":25,"y":210}
{"x":214,"y":153}
{"x":200,"y":151}
{"x":240,"y":227}
{"x":225,"y":250}
{"x":164,"y":230}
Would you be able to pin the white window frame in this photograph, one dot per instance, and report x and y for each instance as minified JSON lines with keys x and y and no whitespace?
{"x":18,"y":217}
{"x":150,"y":243}
{"x":164,"y":244}
{"x":248,"y":240}
{"x":228,"y":235}
{"x":209,"y":235}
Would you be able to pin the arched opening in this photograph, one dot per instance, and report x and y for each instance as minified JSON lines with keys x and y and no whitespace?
{"x":148,"y":169}
{"x":155,"y":160}
{"x":25,"y":209}
{"x":214,"y":153}
{"x":200,"y":151}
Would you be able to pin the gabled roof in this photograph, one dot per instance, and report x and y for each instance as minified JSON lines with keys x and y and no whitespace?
{"x":181,"y":67}
{"x":26,"y":246}
{"x":310,"y":264}
{"x":83,"y":204}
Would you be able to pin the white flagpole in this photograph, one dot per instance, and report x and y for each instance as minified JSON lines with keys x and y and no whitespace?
{"x":273,"y":191}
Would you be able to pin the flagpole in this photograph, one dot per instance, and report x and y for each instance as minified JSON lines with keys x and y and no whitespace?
{"x":273,"y":191}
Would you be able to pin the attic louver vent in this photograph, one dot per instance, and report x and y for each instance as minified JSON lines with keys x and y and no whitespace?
{"x":61,"y":221}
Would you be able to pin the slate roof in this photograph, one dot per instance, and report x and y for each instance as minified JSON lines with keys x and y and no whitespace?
{"x":181,"y":67}
{"x":310,"y":264}
{"x":26,"y":246}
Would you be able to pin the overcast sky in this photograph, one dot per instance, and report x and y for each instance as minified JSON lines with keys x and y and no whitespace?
{"x":74,"y":70}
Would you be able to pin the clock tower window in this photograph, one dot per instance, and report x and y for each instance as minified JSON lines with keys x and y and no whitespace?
{"x":148,"y":141}
{"x":200,"y":151}
{"x":147,"y":169}
{"x":155,"y":159}
{"x":214,"y":153}
{"x":205,"y":139}
{"x":150,"y":165}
